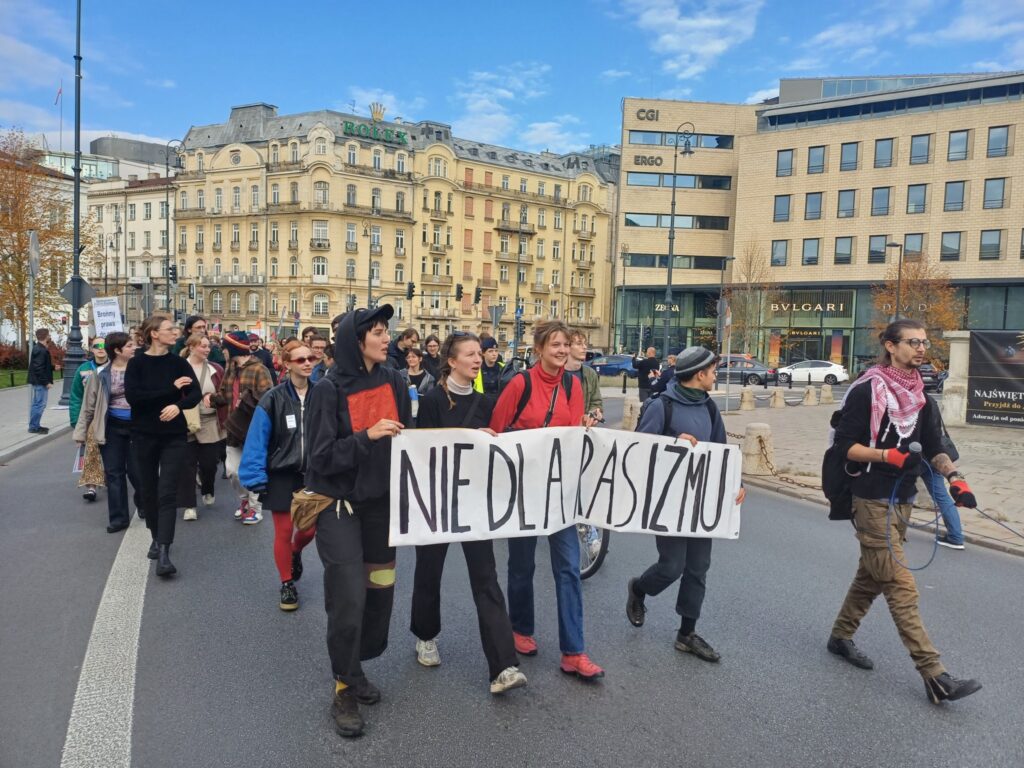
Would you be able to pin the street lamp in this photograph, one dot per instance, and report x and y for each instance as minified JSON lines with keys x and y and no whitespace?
{"x":899,"y":278}
{"x":684,"y":131}
{"x":516,"y":314}
{"x":167,"y":215}
{"x":625,"y":259}
{"x":722,"y":309}
{"x":365,"y":224}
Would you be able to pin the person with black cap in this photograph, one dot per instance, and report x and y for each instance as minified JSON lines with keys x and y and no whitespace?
{"x":686,"y":411}
{"x":488,"y":381}
{"x":259,"y":351}
{"x":351,"y":416}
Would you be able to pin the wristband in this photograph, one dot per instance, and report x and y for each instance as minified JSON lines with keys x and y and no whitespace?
{"x":955,"y":475}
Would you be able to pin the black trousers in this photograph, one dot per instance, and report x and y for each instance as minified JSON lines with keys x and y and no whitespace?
{"x":680,"y":556}
{"x":204,"y":456}
{"x":491,"y":614}
{"x":119,"y":466}
{"x":159,"y":464}
{"x":359,"y":584}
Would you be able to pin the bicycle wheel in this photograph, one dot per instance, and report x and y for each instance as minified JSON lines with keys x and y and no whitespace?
{"x":593,"y":548}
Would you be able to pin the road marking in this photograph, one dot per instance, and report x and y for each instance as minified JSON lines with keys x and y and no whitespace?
{"x":100,"y":729}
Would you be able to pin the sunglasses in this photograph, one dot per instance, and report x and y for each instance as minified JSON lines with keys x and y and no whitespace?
{"x":99,"y":345}
{"x":301,"y":360}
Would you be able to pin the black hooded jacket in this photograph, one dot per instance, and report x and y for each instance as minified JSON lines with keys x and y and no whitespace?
{"x":341,"y":460}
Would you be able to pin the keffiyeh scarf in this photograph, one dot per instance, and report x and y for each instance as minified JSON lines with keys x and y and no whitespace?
{"x":899,"y":392}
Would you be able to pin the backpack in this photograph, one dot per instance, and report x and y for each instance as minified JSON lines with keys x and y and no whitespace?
{"x":528,"y":389}
{"x":667,"y":412}
{"x":836,"y":480}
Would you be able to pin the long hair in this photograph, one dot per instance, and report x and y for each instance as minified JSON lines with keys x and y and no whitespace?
{"x":150,"y":324}
{"x":449,"y":349}
{"x":893,"y":331}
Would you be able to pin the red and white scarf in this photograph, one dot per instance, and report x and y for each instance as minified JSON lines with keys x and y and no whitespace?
{"x":899,"y":392}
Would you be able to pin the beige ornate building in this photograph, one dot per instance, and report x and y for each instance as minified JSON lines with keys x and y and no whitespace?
{"x":286,"y":220}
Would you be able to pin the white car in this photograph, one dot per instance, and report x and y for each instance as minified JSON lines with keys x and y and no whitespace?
{"x":820,"y":371}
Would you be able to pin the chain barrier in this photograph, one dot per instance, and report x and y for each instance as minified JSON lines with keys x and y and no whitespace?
{"x":771,"y":467}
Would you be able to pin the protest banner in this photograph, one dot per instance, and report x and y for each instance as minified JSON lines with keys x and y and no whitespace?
{"x":464,"y":485}
{"x":106,"y":315}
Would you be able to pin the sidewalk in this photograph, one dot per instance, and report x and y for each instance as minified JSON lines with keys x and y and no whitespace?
{"x":990,"y":457}
{"x":15,"y":439}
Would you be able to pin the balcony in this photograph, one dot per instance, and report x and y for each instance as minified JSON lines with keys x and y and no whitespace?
{"x":274,"y":245}
{"x":376,"y":249}
{"x":593,"y":322}
{"x":293,"y":245}
{"x":515,"y":258}
{"x":283,"y":167}
{"x":378,"y":173}
{"x":320,"y":279}
{"x":254,"y":245}
{"x":351,"y":246}
{"x":487,"y":284}
{"x":283,"y":207}
{"x":318,"y":244}
{"x":438,"y":313}
{"x":217,"y":247}
{"x":437,"y":249}
{"x":399,"y":253}
{"x":585,"y":234}
{"x":367,"y":210}
{"x":246,"y":279}
{"x":183,"y":214}
{"x":544,"y":288}
{"x":430,"y":279}
{"x":584,"y":264}
{"x":236,"y":245}
{"x":199,"y":247}
{"x":189,"y":175}
{"x":579,"y":290}
{"x":437,"y":214}
{"x":521,"y":227}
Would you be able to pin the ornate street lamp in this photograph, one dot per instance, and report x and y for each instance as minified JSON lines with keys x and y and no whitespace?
{"x":685,"y":133}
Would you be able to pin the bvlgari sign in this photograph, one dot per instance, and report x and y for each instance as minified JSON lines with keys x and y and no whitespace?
{"x":806,"y":307}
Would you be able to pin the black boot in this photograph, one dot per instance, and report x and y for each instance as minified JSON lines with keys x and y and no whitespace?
{"x":845,"y":649}
{"x":945,"y":687}
{"x":153,"y":550}
{"x":345,"y":712}
{"x":164,"y":566}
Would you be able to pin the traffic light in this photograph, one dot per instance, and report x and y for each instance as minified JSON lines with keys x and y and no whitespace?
{"x":458,"y":291}
{"x":520,"y":328}
{"x":478,"y":294}
{"x":351,"y":302}
{"x":172,"y":273}
{"x":410,"y":290}
{"x":645,"y":337}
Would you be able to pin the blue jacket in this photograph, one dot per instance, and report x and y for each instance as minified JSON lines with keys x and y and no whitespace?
{"x":698,"y":418}
{"x":274,"y":443}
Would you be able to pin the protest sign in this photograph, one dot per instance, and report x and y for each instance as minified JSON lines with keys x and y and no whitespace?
{"x":464,"y":485}
{"x":106,"y":315}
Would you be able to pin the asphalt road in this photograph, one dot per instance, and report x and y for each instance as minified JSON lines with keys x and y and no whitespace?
{"x":226,"y":679}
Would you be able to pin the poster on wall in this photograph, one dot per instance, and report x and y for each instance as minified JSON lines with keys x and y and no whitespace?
{"x":995,"y":379}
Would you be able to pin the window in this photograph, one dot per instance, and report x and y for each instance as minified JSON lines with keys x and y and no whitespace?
{"x":542,"y":217}
{"x":399,"y":239}
{"x":293,"y":231}
{"x":556,"y":250}
{"x":131,"y":242}
{"x":254,"y":303}
{"x":917,"y":198}
{"x":319,"y":266}
{"x":883,"y":153}
{"x":274,"y":154}
{"x":954,"y":200}
{"x":784,"y":162}
{"x":812,"y":206}
{"x":273,"y":232}
{"x":273,"y":304}
{"x":163,"y":209}
{"x":375,"y":199}
{"x":321,"y":192}
{"x":880,"y":201}
{"x":400,"y":163}
{"x":541,"y":187}
{"x":320,"y":229}
{"x":994,"y":189}
{"x":293,"y":267}
{"x":183,"y":204}
{"x":998,"y":141}
{"x":376,"y":160}
{"x":848,"y":156}
{"x":275,"y":194}
{"x":200,"y":240}
{"x":876,"y":249}
{"x":236,"y":197}
{"x":439,"y":167}
{"x":351,"y":156}
{"x":199,"y":162}
{"x":200,"y":199}
{"x":234,"y":302}
{"x":147,"y":211}
{"x":810,"y":255}
{"x":218,"y":200}
{"x":236,"y":237}
{"x":350,"y":269}
{"x":147,"y":240}
{"x":131,"y":211}
{"x":844,"y":250}
{"x":991,"y":244}
{"x":781,"y":208}
{"x":294,"y":152}
{"x":815,"y":159}
{"x":320,"y":304}
{"x":217,"y":236}
{"x":913,"y":246}
{"x":957,"y":149}
{"x":293,"y":192}
{"x":522,"y":185}
{"x":780,"y":252}
{"x":920,"y":149}
{"x":274,"y":268}
{"x":556,"y":277}
{"x":847,"y":203}
{"x":217,"y":301}
{"x":504,"y":182}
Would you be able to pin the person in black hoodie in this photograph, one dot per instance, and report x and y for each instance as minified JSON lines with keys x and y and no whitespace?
{"x":352,"y":414}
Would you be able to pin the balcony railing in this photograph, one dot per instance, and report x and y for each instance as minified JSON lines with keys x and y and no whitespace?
{"x":375,"y":249}
{"x":399,"y":253}
{"x":540,"y":288}
{"x":580,"y":290}
{"x":507,"y":225}
{"x":293,"y":245}
{"x":244,"y":279}
{"x":437,"y":249}
{"x":523,"y":258}
{"x":254,"y":245}
{"x":488,"y":284}
{"x":437,"y":214}
{"x":428,"y":278}
{"x":189,"y":213}
{"x":318,"y":244}
{"x":351,"y":246}
{"x":281,"y":167}
{"x":585,"y":234}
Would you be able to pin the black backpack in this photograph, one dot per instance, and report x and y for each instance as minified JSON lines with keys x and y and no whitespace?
{"x":528,"y":389}
{"x":836,"y":479}
{"x":667,"y":412}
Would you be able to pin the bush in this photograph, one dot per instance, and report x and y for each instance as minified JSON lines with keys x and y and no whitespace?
{"x":12,"y":356}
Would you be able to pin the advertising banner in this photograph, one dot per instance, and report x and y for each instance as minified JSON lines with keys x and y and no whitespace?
{"x":995,"y":379}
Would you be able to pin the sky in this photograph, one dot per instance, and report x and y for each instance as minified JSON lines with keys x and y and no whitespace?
{"x":531,"y":74}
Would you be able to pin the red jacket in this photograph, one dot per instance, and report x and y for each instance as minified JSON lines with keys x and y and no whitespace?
{"x":566,"y":414}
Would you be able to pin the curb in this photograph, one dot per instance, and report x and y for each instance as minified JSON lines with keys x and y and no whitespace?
{"x":13,"y":453}
{"x":979,"y":541}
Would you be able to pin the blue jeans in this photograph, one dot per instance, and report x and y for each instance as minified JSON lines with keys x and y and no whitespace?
{"x":936,"y":485}
{"x":564,"y":547}
{"x":39,"y":396}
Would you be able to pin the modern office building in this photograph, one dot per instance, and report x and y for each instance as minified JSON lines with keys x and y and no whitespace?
{"x":287,"y":220}
{"x":824,"y":188}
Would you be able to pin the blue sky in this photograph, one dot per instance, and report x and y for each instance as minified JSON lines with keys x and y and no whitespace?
{"x":529,"y":74}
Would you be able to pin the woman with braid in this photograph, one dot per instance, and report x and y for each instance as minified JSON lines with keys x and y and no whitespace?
{"x":454,"y":403}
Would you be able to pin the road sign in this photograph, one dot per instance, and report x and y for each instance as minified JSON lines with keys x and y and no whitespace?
{"x":496,"y":312}
{"x":519,"y":311}
{"x":33,"y":253}
{"x":85,"y":291}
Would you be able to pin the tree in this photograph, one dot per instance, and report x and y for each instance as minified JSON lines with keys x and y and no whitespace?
{"x":926,"y":294}
{"x":747,"y":293}
{"x":33,"y":197}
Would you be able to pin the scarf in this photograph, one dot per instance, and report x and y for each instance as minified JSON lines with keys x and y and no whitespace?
{"x":899,"y":392}
{"x":690,"y":394}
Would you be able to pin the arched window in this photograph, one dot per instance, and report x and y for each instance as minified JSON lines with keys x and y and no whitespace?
{"x":274,"y":158}
{"x":320,"y":304}
{"x":321,"y":192}
{"x":293,"y":267}
{"x":216,"y":301}
{"x":275,"y":194}
{"x":236,"y":197}
{"x":522,"y":214}
{"x":200,"y":199}
{"x":183,"y":203}
{"x":234,"y":302}
{"x":350,"y":269}
{"x":375,"y":199}
{"x":320,"y":146}
{"x":254,"y":267}
{"x":375,"y":271}
{"x":234,"y":267}
{"x":254,"y":303}
{"x":216,"y":268}
{"x":438,"y":166}
{"x":273,"y":266}
{"x":294,"y":152}
{"x":254,"y":194}
{"x":319,"y":266}
{"x":399,"y":273}
{"x":350,"y":194}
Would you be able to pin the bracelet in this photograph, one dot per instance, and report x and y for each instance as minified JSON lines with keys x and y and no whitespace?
{"x":885,"y":455}
{"x":955,"y":474}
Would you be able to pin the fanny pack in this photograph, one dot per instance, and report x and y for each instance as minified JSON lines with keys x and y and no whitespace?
{"x":307,"y":506}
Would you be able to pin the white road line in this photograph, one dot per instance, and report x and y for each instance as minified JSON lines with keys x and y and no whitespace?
{"x":100,"y":729}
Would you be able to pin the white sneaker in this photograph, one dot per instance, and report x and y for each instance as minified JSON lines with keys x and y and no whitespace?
{"x":208,"y":499}
{"x":507,"y":680}
{"x":427,"y":653}
{"x":190,"y":514}
{"x":243,"y":508}
{"x":252,"y":517}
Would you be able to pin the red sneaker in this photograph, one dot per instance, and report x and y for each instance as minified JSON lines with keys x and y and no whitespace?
{"x":579,"y":664}
{"x":525,"y":645}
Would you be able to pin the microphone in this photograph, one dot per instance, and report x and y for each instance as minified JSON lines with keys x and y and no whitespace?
{"x":914,"y":447}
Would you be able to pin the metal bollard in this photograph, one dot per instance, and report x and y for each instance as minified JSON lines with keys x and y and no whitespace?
{"x":778,"y":399}
{"x":827,"y":397}
{"x":630,"y":414}
{"x":747,"y":399}
{"x":790,"y":381}
{"x":756,"y":434}
{"x":810,"y":396}
{"x":624,"y":377}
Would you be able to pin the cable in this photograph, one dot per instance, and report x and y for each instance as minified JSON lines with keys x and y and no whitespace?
{"x":909,"y":523}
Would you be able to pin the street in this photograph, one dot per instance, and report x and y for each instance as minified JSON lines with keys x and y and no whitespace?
{"x":224,"y":678}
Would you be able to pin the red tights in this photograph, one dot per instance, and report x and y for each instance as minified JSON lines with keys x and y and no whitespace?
{"x":288,"y":541}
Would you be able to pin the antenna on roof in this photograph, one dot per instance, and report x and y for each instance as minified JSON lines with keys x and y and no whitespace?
{"x":352,"y":106}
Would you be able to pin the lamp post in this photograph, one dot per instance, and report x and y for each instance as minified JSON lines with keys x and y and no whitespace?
{"x":625,"y":260}
{"x":899,"y":278}
{"x":365,"y":224}
{"x":517,"y":317}
{"x":722,"y":309}
{"x":167,"y":216}
{"x":684,"y":131}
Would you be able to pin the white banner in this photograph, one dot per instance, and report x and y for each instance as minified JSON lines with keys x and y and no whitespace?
{"x":464,"y":485}
{"x":106,"y":315}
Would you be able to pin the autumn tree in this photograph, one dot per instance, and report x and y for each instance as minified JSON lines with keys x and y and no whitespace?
{"x":33,"y":197}
{"x":926,"y":294}
{"x":747,"y":293}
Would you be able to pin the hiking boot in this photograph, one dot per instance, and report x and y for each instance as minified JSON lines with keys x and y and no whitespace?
{"x":164,"y":567}
{"x":943,"y":541}
{"x":698,"y":646}
{"x":427,"y":653}
{"x":508,"y":679}
{"x":579,"y":664}
{"x":345,"y":713}
{"x":289,"y":597}
{"x":635,"y":608}
{"x":366,"y":692}
{"x":252,"y":516}
{"x":208,"y":499}
{"x":945,"y":687}
{"x":847,"y":650}
{"x":190,"y":514}
{"x":525,"y":644}
{"x":154,"y":550}
{"x":296,"y":566}
{"x":242,"y":510}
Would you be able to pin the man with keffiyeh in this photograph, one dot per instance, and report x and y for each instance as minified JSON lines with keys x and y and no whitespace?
{"x":883,"y":413}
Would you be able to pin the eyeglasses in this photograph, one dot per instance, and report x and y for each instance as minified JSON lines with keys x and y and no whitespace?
{"x":917,"y":343}
{"x":301,"y":360}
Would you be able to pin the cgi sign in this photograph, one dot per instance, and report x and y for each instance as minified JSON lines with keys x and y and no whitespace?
{"x":648,"y":115}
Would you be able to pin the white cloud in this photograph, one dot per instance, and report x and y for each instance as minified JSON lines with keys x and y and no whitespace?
{"x":765,"y":93}
{"x":978,"y":21}
{"x":615,"y":74}
{"x":690,"y":42}
{"x":38,"y":121}
{"x":557,"y":135}
{"x":803,"y":64}
{"x":165,"y":82}
{"x":23,"y":65}
{"x":361,"y":98}
{"x":485,"y":99}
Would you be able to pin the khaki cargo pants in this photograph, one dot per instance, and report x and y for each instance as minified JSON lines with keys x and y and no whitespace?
{"x":879,"y":573}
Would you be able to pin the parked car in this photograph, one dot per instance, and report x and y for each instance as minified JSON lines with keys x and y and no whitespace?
{"x":613,"y":365}
{"x":744,"y":369}
{"x":820,"y":371}
{"x":933,"y":378}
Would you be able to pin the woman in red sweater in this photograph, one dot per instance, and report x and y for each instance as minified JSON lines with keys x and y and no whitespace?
{"x":547,"y":407}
